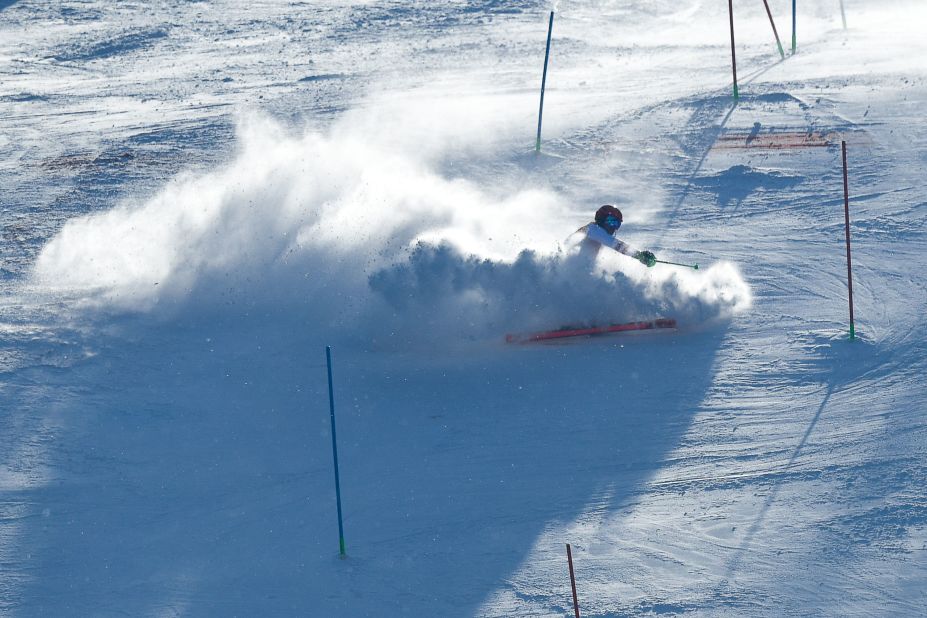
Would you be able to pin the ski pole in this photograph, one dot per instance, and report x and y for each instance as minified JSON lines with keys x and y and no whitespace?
{"x":692,"y":266}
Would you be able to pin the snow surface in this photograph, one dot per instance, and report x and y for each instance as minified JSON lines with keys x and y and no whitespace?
{"x":199,"y":196}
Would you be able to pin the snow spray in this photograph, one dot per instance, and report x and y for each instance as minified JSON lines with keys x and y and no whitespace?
{"x":550,"y":29}
{"x":439,"y":259}
{"x":331,"y":406}
{"x":775,"y":32}
{"x":730,"y":11}
{"x":846,"y":212}
{"x":572,"y":580}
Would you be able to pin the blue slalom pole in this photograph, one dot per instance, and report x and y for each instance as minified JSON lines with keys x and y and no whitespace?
{"x":794,"y":38}
{"x":550,"y":28}
{"x":331,"y":405}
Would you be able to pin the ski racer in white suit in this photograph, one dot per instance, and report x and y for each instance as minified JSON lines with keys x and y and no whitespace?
{"x":601,"y":233}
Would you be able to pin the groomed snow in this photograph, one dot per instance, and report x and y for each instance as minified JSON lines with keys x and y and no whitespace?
{"x":198,"y":197}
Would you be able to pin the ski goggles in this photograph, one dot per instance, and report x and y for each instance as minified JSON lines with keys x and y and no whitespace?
{"x":613,"y":221}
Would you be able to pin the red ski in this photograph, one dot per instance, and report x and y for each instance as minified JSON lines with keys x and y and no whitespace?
{"x":562,"y":333}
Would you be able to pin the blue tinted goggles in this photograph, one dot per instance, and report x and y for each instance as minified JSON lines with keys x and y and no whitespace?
{"x":613,"y":221}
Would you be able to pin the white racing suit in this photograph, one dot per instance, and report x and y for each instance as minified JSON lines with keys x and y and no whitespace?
{"x":592,"y":237}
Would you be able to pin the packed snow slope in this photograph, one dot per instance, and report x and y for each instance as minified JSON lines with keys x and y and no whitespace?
{"x":198,"y":197}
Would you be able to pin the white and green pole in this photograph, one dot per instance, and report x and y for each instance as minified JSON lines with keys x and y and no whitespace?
{"x":550,"y":28}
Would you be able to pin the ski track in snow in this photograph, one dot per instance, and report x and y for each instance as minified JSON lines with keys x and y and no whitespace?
{"x":164,"y":431}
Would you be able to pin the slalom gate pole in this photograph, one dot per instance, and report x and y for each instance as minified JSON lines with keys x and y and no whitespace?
{"x":692,"y":266}
{"x":846,"y":211}
{"x":331,"y":405}
{"x":775,"y":32}
{"x":843,"y":15}
{"x":572,"y":580}
{"x":550,"y":29}
{"x":730,"y":10}
{"x":794,"y":38}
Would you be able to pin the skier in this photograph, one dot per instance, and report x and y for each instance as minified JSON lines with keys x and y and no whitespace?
{"x":600,"y":233}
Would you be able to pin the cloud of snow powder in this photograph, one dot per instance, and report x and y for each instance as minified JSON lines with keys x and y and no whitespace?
{"x":439,"y":291}
{"x":366,"y":223}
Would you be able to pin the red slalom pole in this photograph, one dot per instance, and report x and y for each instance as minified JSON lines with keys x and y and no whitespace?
{"x":572,"y":580}
{"x":775,"y":32}
{"x":730,"y":10}
{"x":846,"y":212}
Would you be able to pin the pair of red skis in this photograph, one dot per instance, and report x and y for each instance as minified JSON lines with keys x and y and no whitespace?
{"x":564,"y":333}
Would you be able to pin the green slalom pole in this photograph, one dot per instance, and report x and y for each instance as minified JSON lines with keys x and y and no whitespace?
{"x":331,"y":405}
{"x":550,"y":29}
{"x":846,"y":210}
{"x":692,"y":266}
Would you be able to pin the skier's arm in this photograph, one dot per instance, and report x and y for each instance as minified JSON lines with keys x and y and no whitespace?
{"x":597,"y":234}
{"x":594,"y":232}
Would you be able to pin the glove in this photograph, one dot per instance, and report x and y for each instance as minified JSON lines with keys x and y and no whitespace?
{"x":646,"y":257}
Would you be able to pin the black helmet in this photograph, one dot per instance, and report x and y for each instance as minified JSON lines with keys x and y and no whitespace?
{"x":609,"y":218}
